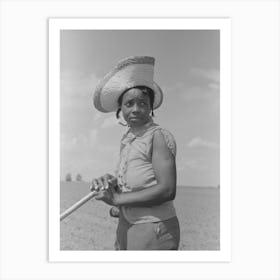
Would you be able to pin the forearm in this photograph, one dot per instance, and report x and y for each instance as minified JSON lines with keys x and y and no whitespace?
{"x":154,"y":195}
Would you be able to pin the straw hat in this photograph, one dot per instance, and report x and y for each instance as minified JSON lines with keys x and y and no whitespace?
{"x":130,"y":72}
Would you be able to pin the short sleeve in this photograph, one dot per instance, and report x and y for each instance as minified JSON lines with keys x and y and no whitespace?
{"x":170,"y":141}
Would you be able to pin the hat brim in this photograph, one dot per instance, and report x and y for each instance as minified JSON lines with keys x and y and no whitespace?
{"x":109,"y":102}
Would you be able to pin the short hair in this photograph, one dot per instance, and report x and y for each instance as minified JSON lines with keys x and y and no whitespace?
{"x":145,"y":90}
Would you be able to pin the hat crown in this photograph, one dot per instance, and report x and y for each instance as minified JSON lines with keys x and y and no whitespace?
{"x":135,"y":60}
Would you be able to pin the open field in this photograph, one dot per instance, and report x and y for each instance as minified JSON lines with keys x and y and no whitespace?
{"x":91,"y":227}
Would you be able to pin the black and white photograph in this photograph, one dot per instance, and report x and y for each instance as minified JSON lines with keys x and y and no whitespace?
{"x":140,"y":139}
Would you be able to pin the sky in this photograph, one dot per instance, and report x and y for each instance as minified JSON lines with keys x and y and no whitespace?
{"x":187,"y":68}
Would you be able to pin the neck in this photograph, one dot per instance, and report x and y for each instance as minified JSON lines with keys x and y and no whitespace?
{"x":139,"y":128}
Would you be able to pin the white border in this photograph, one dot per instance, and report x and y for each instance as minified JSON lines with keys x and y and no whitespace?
{"x":55,"y":25}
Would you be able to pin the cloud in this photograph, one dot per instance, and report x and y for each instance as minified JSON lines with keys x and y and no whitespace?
{"x":81,"y":141}
{"x":92,"y":140}
{"x":199,"y":84}
{"x":200,"y":94}
{"x":77,"y":84}
{"x":208,"y":74}
{"x":174,"y":88}
{"x":76,"y":91}
{"x":206,"y":81}
{"x":102,"y":120}
{"x":109,"y":122}
{"x":98,"y":117}
{"x":188,"y":164}
{"x":198,"y":142}
{"x":69,"y":144}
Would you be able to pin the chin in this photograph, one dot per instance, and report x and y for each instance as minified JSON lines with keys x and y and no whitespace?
{"x":136,"y":123}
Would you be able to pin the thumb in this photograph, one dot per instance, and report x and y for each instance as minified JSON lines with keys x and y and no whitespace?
{"x":99,"y":196}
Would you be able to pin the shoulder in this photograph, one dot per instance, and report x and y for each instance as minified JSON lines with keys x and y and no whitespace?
{"x":165,"y":137}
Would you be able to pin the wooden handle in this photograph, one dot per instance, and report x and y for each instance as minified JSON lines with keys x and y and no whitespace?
{"x":77,"y":205}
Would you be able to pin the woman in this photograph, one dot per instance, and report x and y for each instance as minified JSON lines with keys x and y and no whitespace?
{"x":145,"y":182}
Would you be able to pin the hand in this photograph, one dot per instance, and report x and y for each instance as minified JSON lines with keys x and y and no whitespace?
{"x":106,"y":186}
{"x":109,"y":196}
{"x":103,"y":183}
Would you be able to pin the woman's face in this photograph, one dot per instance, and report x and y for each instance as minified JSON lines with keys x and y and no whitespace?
{"x":136,"y":107}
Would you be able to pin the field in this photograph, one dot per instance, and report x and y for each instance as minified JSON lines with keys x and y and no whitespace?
{"x":91,"y":227}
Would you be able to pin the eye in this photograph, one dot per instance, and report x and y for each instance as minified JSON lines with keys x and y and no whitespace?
{"x":128,"y":104}
{"x":143,"y":103}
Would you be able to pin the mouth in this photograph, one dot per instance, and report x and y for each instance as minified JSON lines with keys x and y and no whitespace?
{"x":134,"y":118}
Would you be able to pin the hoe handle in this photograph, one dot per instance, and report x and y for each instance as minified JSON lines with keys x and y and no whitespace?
{"x":77,"y":205}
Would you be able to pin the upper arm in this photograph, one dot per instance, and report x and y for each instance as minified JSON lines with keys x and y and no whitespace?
{"x":164,"y":165}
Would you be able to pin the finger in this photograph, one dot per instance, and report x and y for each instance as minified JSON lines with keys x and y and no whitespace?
{"x":95,"y":185}
{"x":106,"y":183}
{"x":107,"y":180}
{"x":99,"y":182}
{"x":113,"y":182}
{"x":103,"y":182}
{"x":91,"y":187}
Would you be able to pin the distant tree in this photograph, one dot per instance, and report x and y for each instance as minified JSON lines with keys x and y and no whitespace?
{"x":68,"y":177}
{"x":79,"y":178}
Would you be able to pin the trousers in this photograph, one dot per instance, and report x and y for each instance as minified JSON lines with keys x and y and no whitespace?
{"x":162,"y":235}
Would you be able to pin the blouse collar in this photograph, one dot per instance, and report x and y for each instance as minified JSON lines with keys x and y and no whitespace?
{"x":131,"y":135}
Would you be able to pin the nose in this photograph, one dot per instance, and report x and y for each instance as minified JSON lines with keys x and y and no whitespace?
{"x":135,"y":108}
